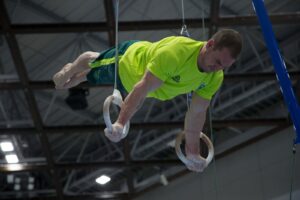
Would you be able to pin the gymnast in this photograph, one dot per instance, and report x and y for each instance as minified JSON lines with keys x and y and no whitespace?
{"x":164,"y":69}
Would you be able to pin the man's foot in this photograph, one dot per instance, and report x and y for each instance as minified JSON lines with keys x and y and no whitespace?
{"x":75,"y":80}
{"x":61,"y":77}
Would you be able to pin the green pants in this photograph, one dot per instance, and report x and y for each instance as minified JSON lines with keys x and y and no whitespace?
{"x":103,"y":67}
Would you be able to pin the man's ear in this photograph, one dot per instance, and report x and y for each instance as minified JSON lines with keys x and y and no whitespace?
{"x":210,"y":43}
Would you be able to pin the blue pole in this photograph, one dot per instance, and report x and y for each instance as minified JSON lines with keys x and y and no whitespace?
{"x":279,"y":65}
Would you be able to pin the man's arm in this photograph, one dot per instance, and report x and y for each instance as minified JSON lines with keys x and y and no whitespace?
{"x":132,"y":103}
{"x":193,"y":125}
{"x":136,"y":97}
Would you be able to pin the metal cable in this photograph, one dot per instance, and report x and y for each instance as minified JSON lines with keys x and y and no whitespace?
{"x":292,"y":171}
{"x":116,"y":41}
{"x":203,"y":22}
{"x":182,"y":10}
{"x":214,"y":160}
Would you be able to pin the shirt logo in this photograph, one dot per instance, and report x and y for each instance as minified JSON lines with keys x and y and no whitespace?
{"x":176,"y":78}
{"x":202,"y":85}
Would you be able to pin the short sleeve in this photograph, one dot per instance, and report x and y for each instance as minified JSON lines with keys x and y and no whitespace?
{"x":164,"y":62}
{"x":208,"y":90}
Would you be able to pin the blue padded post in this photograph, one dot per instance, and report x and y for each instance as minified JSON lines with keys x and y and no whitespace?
{"x":279,"y":65}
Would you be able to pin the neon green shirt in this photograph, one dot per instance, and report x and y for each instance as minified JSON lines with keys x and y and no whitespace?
{"x":174,"y":61}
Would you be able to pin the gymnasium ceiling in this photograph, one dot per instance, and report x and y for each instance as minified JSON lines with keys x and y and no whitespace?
{"x":62,"y":151}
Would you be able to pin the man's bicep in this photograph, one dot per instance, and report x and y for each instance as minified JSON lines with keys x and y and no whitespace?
{"x":151,"y":82}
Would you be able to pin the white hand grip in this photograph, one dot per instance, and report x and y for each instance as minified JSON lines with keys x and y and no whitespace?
{"x":186,"y":161}
{"x":115,"y":98}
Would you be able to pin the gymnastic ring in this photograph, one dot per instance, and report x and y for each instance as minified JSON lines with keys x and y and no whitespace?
{"x":116,"y":99}
{"x":185,"y":160}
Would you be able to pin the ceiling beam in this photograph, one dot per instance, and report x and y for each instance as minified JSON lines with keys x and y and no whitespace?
{"x":265,"y":76}
{"x":129,"y":170}
{"x":293,"y":18}
{"x":241,"y":123}
{"x":20,"y":65}
{"x":98,"y":196}
{"x":214,"y":15}
{"x":44,"y":85}
{"x":9,"y":168}
{"x":28,"y":93}
{"x":110,"y":21}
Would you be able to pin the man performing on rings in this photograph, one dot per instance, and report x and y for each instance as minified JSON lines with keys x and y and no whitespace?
{"x":164,"y":69}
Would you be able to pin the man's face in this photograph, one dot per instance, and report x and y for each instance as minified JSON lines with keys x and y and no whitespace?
{"x":216,"y":59}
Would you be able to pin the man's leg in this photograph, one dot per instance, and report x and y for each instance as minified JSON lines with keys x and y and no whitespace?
{"x":74,"y":73}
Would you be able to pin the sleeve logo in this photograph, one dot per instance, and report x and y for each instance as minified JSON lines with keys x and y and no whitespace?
{"x":202,"y":85}
{"x":176,"y":78}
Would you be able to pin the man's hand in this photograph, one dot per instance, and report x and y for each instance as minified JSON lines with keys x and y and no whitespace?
{"x":116,"y":134}
{"x":192,"y":151}
{"x":196,"y":164}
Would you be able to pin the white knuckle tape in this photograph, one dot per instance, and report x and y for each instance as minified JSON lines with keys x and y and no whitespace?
{"x":194,"y":162}
{"x":197,"y":167}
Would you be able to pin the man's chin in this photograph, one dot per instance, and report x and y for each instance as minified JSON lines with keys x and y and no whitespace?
{"x":212,"y":70}
{"x":208,"y":70}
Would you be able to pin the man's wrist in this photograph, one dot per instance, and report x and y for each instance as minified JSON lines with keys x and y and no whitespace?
{"x":120,"y":122}
{"x":192,"y":142}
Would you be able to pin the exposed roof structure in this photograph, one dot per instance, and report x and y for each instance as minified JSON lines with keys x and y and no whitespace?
{"x":62,"y":151}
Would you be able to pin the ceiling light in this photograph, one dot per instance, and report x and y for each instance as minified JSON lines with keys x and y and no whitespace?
{"x":12,"y":158}
{"x":103,"y":179}
{"x":30,"y":186}
{"x":10,"y":178}
{"x":17,"y":187}
{"x":30,"y":179}
{"x":6,"y":146}
{"x":14,"y":167}
{"x":17,"y":180}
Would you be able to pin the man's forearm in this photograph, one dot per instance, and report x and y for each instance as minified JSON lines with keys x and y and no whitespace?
{"x":193,"y":125}
{"x":131,"y":104}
